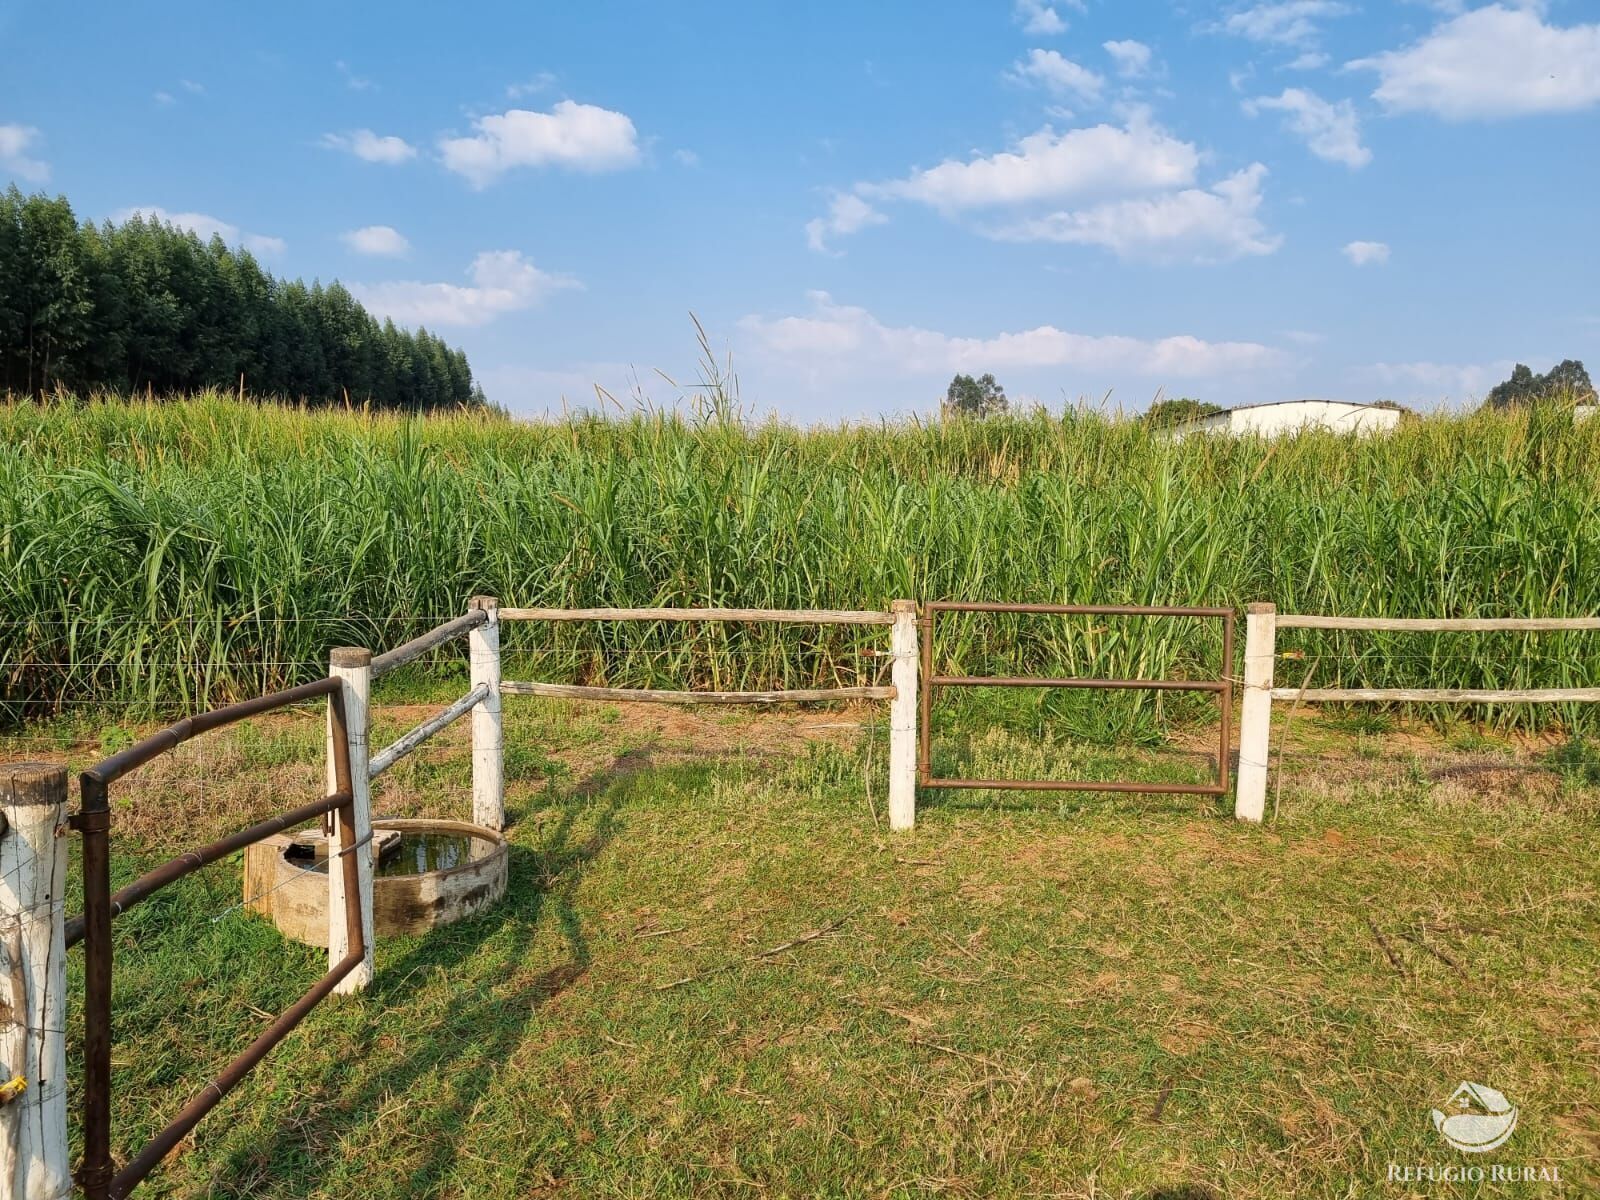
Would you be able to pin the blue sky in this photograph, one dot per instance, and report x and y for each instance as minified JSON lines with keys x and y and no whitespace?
{"x":1236,"y":201}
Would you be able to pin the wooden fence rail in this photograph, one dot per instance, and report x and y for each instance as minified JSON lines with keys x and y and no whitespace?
{"x":1437,"y":695}
{"x":406,"y":652}
{"x":901,"y":694}
{"x":407,"y":742}
{"x":1444,"y":625}
{"x":1262,"y":621}
{"x":567,"y":691}
{"x":769,"y":616}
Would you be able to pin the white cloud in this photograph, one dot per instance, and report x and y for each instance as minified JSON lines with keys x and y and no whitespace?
{"x":850,"y":338}
{"x":1366,"y":253}
{"x":1193,"y":225}
{"x":380,"y":240}
{"x":370,"y":147}
{"x":166,"y":98}
{"x":1287,"y":23}
{"x":686,"y":158}
{"x":503,"y":281}
{"x":17,"y":142}
{"x":542,"y":82}
{"x":1130,"y":189}
{"x":847,"y":213}
{"x":354,"y":82}
{"x":582,"y":137}
{"x":1132,"y":58}
{"x":1331,"y":131}
{"x":1058,"y":75}
{"x":1103,"y":159}
{"x":205,"y":227}
{"x":1311,"y":60}
{"x":1492,"y":62}
{"x":1037,"y":17}
{"x":1433,"y":380}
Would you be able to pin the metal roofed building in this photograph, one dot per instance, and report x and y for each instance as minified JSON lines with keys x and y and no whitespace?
{"x":1292,"y":416}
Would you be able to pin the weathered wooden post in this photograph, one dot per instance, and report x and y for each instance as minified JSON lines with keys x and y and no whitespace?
{"x":33,"y":1047}
{"x":488,"y":770}
{"x":353,"y":667}
{"x":903,"y":716}
{"x":1255,"y":715}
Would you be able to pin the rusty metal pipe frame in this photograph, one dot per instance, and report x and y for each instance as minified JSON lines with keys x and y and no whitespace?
{"x":109,"y":770}
{"x":94,"y":824}
{"x":158,"y":1147}
{"x":187,"y":864}
{"x":1075,"y":610}
{"x":98,"y":1177}
{"x":1222,"y":688}
{"x":1079,"y":785}
{"x":1142,"y":685}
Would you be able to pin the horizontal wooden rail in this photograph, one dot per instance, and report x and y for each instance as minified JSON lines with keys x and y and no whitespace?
{"x":563,"y":691}
{"x":406,"y":743}
{"x":1441,"y":695}
{"x":773,"y":616}
{"x":1443,"y":625}
{"x":1261,"y":654}
{"x":405,"y":652}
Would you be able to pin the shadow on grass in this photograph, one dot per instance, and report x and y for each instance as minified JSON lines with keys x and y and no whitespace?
{"x":452,"y":1052}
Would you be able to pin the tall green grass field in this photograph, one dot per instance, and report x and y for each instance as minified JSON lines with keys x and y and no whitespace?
{"x":170,"y":555}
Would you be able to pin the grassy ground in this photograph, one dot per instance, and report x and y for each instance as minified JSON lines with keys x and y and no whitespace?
{"x":1101,"y":996}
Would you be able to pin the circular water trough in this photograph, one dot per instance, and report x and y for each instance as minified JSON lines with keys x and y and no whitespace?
{"x":427,"y":873}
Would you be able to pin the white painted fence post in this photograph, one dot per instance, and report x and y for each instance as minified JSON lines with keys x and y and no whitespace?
{"x":488,"y":766}
{"x":903,"y":716}
{"x":353,"y":666}
{"x":1255,"y":715}
{"x":33,"y":955}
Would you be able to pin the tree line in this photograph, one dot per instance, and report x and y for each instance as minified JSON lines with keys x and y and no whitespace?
{"x":1565,"y":383}
{"x":145,"y":307}
{"x":1567,"y":380}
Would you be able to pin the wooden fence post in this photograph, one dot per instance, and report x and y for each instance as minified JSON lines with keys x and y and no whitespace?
{"x":1255,"y":715}
{"x":353,"y":666}
{"x":33,"y":955}
{"x":903,"y":716}
{"x":488,"y":767}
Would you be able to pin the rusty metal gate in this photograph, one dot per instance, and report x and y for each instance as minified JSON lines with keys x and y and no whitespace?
{"x":1222,"y":687}
{"x":98,"y":1176}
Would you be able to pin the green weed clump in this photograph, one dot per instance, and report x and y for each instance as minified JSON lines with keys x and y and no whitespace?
{"x":173,"y":554}
{"x":1578,"y":759}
